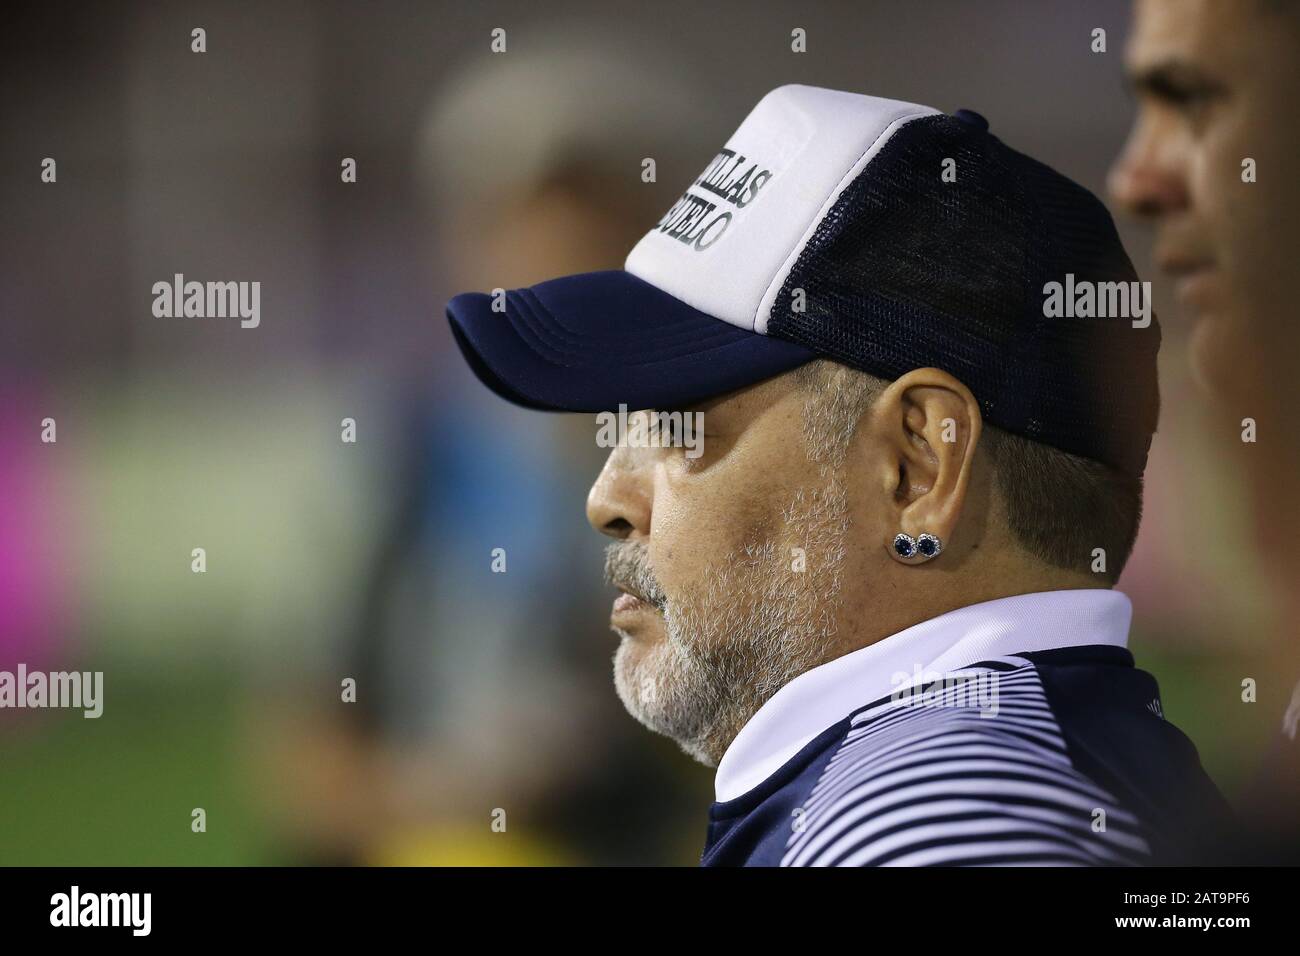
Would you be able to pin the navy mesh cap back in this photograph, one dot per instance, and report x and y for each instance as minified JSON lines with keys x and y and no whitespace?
{"x":907,"y":271}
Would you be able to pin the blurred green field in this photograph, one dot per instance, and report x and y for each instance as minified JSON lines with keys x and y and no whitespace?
{"x":120,"y":792}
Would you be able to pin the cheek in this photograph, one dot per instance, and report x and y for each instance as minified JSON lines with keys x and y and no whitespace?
{"x":1211,"y":172}
{"x":701,"y":522}
{"x":1240,"y":219}
{"x":687,"y":534}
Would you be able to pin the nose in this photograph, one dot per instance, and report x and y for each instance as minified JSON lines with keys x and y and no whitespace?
{"x":1149,"y":180}
{"x":619,"y":503}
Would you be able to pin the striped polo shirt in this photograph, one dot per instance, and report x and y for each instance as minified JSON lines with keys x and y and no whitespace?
{"x":1012,"y":732}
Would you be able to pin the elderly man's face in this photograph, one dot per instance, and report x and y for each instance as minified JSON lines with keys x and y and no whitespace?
{"x":1216,"y":85}
{"x":735,"y":566}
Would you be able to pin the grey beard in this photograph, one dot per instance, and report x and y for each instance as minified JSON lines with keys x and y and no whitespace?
{"x":752,"y":626}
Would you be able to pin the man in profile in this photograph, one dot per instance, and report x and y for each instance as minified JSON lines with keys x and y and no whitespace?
{"x":877,"y":596}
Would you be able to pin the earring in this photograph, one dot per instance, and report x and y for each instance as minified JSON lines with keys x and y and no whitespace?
{"x":923,"y":546}
{"x":929,"y":546}
{"x":904,"y":545}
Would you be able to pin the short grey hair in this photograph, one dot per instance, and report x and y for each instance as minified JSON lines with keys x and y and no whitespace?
{"x":836,"y":399}
{"x":1059,"y":507}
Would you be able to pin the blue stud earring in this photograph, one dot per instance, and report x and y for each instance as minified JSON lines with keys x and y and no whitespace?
{"x":923,"y":546}
{"x":929,"y":546}
{"x":904,"y":545}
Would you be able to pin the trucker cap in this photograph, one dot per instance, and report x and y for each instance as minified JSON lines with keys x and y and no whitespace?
{"x":885,"y":235}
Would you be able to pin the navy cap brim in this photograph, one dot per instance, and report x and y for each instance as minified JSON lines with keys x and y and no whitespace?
{"x":592,"y":342}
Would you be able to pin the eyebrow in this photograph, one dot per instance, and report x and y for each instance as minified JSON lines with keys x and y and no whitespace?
{"x":1172,"y":79}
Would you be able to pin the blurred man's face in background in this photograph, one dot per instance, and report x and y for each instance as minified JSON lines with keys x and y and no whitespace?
{"x":1216,"y":84}
{"x":718,"y":612}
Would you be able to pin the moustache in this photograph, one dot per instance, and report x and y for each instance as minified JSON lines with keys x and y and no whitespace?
{"x":627,"y":566}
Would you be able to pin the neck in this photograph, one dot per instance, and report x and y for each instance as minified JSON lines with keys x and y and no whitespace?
{"x":908,"y":603}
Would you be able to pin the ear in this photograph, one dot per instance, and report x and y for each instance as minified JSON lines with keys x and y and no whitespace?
{"x":927,"y":425}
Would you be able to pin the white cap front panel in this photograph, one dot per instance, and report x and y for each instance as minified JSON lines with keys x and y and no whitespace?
{"x":727,"y":245}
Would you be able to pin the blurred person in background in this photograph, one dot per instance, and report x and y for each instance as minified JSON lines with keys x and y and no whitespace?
{"x":477,"y":688}
{"x":1213,"y":161}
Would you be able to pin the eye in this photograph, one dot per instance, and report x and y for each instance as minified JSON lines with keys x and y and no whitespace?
{"x":1191,"y":97}
{"x":1193,"y":104}
{"x":673,"y":433}
{"x":666,"y":426}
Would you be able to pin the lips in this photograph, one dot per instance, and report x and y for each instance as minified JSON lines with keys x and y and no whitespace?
{"x":1194,"y":287}
{"x":1193,"y":275}
{"x":627,"y":568}
{"x":630,"y":602}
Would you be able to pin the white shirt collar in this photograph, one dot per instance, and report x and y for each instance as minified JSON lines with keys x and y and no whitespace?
{"x":818,"y":698}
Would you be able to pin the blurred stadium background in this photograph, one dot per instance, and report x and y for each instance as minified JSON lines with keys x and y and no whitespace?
{"x":371,"y":560}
